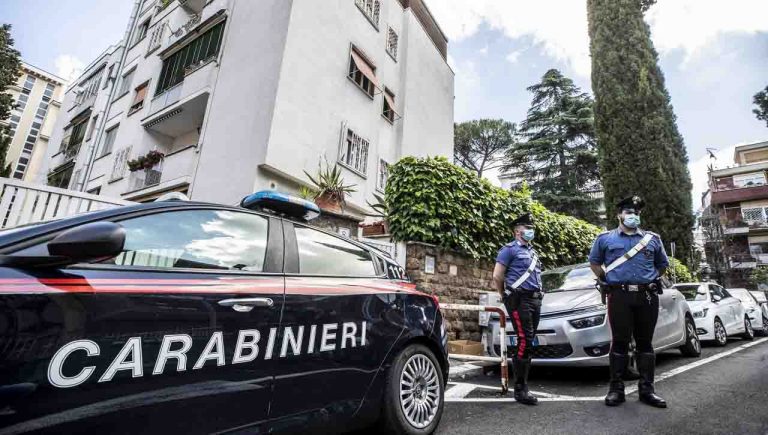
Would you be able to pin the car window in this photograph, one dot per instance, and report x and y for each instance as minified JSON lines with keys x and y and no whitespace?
{"x":691,"y":292}
{"x":576,"y":279}
{"x":715,"y":290}
{"x":323,"y":254}
{"x":724,"y":292}
{"x":197,"y":239}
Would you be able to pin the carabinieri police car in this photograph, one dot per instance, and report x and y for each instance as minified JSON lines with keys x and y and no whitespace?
{"x":184,"y":317}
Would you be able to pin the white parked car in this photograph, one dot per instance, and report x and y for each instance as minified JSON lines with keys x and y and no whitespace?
{"x":574,"y":329}
{"x":752,"y":308}
{"x":716,"y":312}
{"x":763,"y":301}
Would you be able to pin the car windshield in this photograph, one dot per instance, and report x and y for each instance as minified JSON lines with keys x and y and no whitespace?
{"x":691,"y":292}
{"x":742,"y":295}
{"x":575,"y":279}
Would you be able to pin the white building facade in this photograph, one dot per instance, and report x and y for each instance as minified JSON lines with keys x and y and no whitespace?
{"x":37,"y":97}
{"x":241,"y":95}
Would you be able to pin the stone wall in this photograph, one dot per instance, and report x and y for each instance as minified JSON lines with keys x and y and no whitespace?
{"x":338,"y":223}
{"x":457,"y":279}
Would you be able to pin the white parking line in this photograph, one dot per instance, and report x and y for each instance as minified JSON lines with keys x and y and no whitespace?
{"x":465,"y":388}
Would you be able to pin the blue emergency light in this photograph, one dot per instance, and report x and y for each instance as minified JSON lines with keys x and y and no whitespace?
{"x":281,"y":204}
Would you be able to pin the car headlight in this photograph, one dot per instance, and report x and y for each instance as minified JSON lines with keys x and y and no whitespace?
{"x":588,"y":322}
{"x":700,"y":314}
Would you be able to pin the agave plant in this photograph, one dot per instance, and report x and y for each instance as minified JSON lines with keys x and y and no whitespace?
{"x":329,"y":184}
{"x":379,"y":207}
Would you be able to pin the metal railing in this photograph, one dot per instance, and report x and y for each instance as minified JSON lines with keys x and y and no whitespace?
{"x":501,"y":359}
{"x":24,"y":203}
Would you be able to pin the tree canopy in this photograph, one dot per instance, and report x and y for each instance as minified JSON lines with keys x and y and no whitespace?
{"x":10,"y":66}
{"x":557,"y":155}
{"x":641,"y":150}
{"x":479,"y":145}
{"x":761,"y":101}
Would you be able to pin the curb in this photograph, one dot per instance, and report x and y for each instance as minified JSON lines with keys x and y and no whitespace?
{"x":463,"y":370}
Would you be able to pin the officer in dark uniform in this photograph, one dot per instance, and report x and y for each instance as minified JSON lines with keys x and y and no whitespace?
{"x":517,"y":277}
{"x":629,"y":262}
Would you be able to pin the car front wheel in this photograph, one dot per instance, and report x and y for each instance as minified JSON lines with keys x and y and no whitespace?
{"x":749,"y":333}
{"x":413,"y":396}
{"x":721,"y":336}
{"x":692,"y":346}
{"x":765,"y":326}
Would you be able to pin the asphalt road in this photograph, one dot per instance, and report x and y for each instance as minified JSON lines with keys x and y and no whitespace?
{"x":725,"y":391}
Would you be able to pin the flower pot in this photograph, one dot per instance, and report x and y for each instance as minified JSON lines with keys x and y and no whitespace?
{"x":329,"y":203}
{"x":375,"y":229}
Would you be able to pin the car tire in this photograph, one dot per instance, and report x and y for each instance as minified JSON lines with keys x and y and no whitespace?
{"x":749,"y":333}
{"x":402,"y":403}
{"x":692,"y":346}
{"x":764,"y":332}
{"x":721,"y":335}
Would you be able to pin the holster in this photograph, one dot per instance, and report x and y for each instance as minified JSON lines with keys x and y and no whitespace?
{"x":604,"y":290}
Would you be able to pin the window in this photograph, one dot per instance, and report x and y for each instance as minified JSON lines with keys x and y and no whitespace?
{"x":156,"y":38}
{"x":21,"y":166}
{"x":21,"y":102}
{"x":392,"y":40}
{"x":29,"y":83}
{"x":110,"y":76}
{"x":60,"y":176}
{"x":196,"y":239}
{"x":354,"y":152}
{"x":201,"y":50}
{"x":13,"y":124}
{"x":381,"y":181}
{"x":119,"y":164}
{"x":362,"y":73}
{"x":89,"y":88}
{"x":141,"y":32}
{"x":95,"y":190}
{"x":94,"y":122}
{"x":323,"y":254}
{"x":125,"y":86}
{"x":371,"y":9}
{"x":388,"y":109}
{"x":138,"y":99}
{"x":749,"y":180}
{"x":109,"y":140}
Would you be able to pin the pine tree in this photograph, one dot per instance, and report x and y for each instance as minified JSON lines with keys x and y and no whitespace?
{"x":479,"y":145}
{"x":761,"y":101}
{"x":557,"y":157}
{"x":10,"y":65}
{"x":641,"y":150}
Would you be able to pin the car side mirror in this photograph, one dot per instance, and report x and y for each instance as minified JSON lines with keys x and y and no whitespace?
{"x":92,"y":242}
{"x":716,"y":298}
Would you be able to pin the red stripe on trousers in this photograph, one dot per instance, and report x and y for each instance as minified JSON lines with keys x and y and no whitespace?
{"x":520,"y":335}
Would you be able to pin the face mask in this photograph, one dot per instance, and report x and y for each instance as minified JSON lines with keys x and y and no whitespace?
{"x":528,"y":235}
{"x":632,"y":221}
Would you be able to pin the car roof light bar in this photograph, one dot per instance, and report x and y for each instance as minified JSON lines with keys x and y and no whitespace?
{"x":281,"y":204}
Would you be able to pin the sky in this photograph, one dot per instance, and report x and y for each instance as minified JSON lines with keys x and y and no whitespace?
{"x":714,"y":55}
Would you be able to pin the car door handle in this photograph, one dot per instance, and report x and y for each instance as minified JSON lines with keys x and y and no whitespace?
{"x":245,"y":305}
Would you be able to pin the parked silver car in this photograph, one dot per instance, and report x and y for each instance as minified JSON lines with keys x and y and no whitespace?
{"x":763,"y":301}
{"x":574,"y":331}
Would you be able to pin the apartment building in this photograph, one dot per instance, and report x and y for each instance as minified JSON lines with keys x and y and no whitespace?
{"x":738,"y":199}
{"x":219,"y":98}
{"x":37,"y":95}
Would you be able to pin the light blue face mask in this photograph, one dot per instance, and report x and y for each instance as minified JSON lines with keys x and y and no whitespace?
{"x":632,"y":221}
{"x":528,"y":234}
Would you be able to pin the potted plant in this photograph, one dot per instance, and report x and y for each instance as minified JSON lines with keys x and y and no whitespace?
{"x":145,"y":162}
{"x":330,"y":190}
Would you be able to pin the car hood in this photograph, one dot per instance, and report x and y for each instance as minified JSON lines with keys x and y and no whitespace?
{"x":569,"y":300}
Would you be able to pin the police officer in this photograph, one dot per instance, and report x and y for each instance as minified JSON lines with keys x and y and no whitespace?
{"x":629,"y":262}
{"x":517,"y":277}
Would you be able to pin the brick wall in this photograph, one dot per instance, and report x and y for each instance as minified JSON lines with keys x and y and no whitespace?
{"x":457,"y":279}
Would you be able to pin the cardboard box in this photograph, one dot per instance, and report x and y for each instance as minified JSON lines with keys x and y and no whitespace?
{"x":465,"y":347}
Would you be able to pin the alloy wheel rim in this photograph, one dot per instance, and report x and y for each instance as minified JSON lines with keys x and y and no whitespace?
{"x":694,"y":338}
{"x":419,"y":391}
{"x":720,"y":332}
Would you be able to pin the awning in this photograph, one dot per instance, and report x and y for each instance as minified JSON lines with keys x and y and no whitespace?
{"x":391,"y":104}
{"x":141,"y":93}
{"x":364,"y":67}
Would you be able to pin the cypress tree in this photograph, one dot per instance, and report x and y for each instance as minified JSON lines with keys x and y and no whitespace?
{"x":641,"y":150}
{"x":10,"y":65}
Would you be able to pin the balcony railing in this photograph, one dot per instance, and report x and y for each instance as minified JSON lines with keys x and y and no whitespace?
{"x":145,"y":178}
{"x":748,"y":261}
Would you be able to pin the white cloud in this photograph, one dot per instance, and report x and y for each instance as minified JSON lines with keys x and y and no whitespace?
{"x":559,"y":27}
{"x":483,"y":51}
{"x":68,"y":67}
{"x":514,"y":56}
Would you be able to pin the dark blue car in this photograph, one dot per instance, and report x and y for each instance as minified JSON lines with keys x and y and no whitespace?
{"x":183,"y":317}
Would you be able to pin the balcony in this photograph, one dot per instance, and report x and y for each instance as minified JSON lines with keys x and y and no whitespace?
{"x":748,"y":261}
{"x":145,"y":178}
{"x":739,"y":187}
{"x":174,"y":171}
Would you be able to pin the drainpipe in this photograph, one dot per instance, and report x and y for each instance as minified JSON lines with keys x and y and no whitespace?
{"x":105,"y":113}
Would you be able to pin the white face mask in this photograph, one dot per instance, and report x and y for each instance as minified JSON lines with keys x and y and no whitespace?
{"x":631,"y":220}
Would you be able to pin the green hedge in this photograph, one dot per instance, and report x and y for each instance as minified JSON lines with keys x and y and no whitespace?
{"x":431,"y":200}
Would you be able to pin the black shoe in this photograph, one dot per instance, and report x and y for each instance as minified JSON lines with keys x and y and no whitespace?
{"x":523,"y":396}
{"x":618,"y":364}
{"x":521,"y":368}
{"x":646,"y":365}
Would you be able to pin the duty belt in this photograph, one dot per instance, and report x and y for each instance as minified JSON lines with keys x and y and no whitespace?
{"x":535,"y":294}
{"x":652,"y":287}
